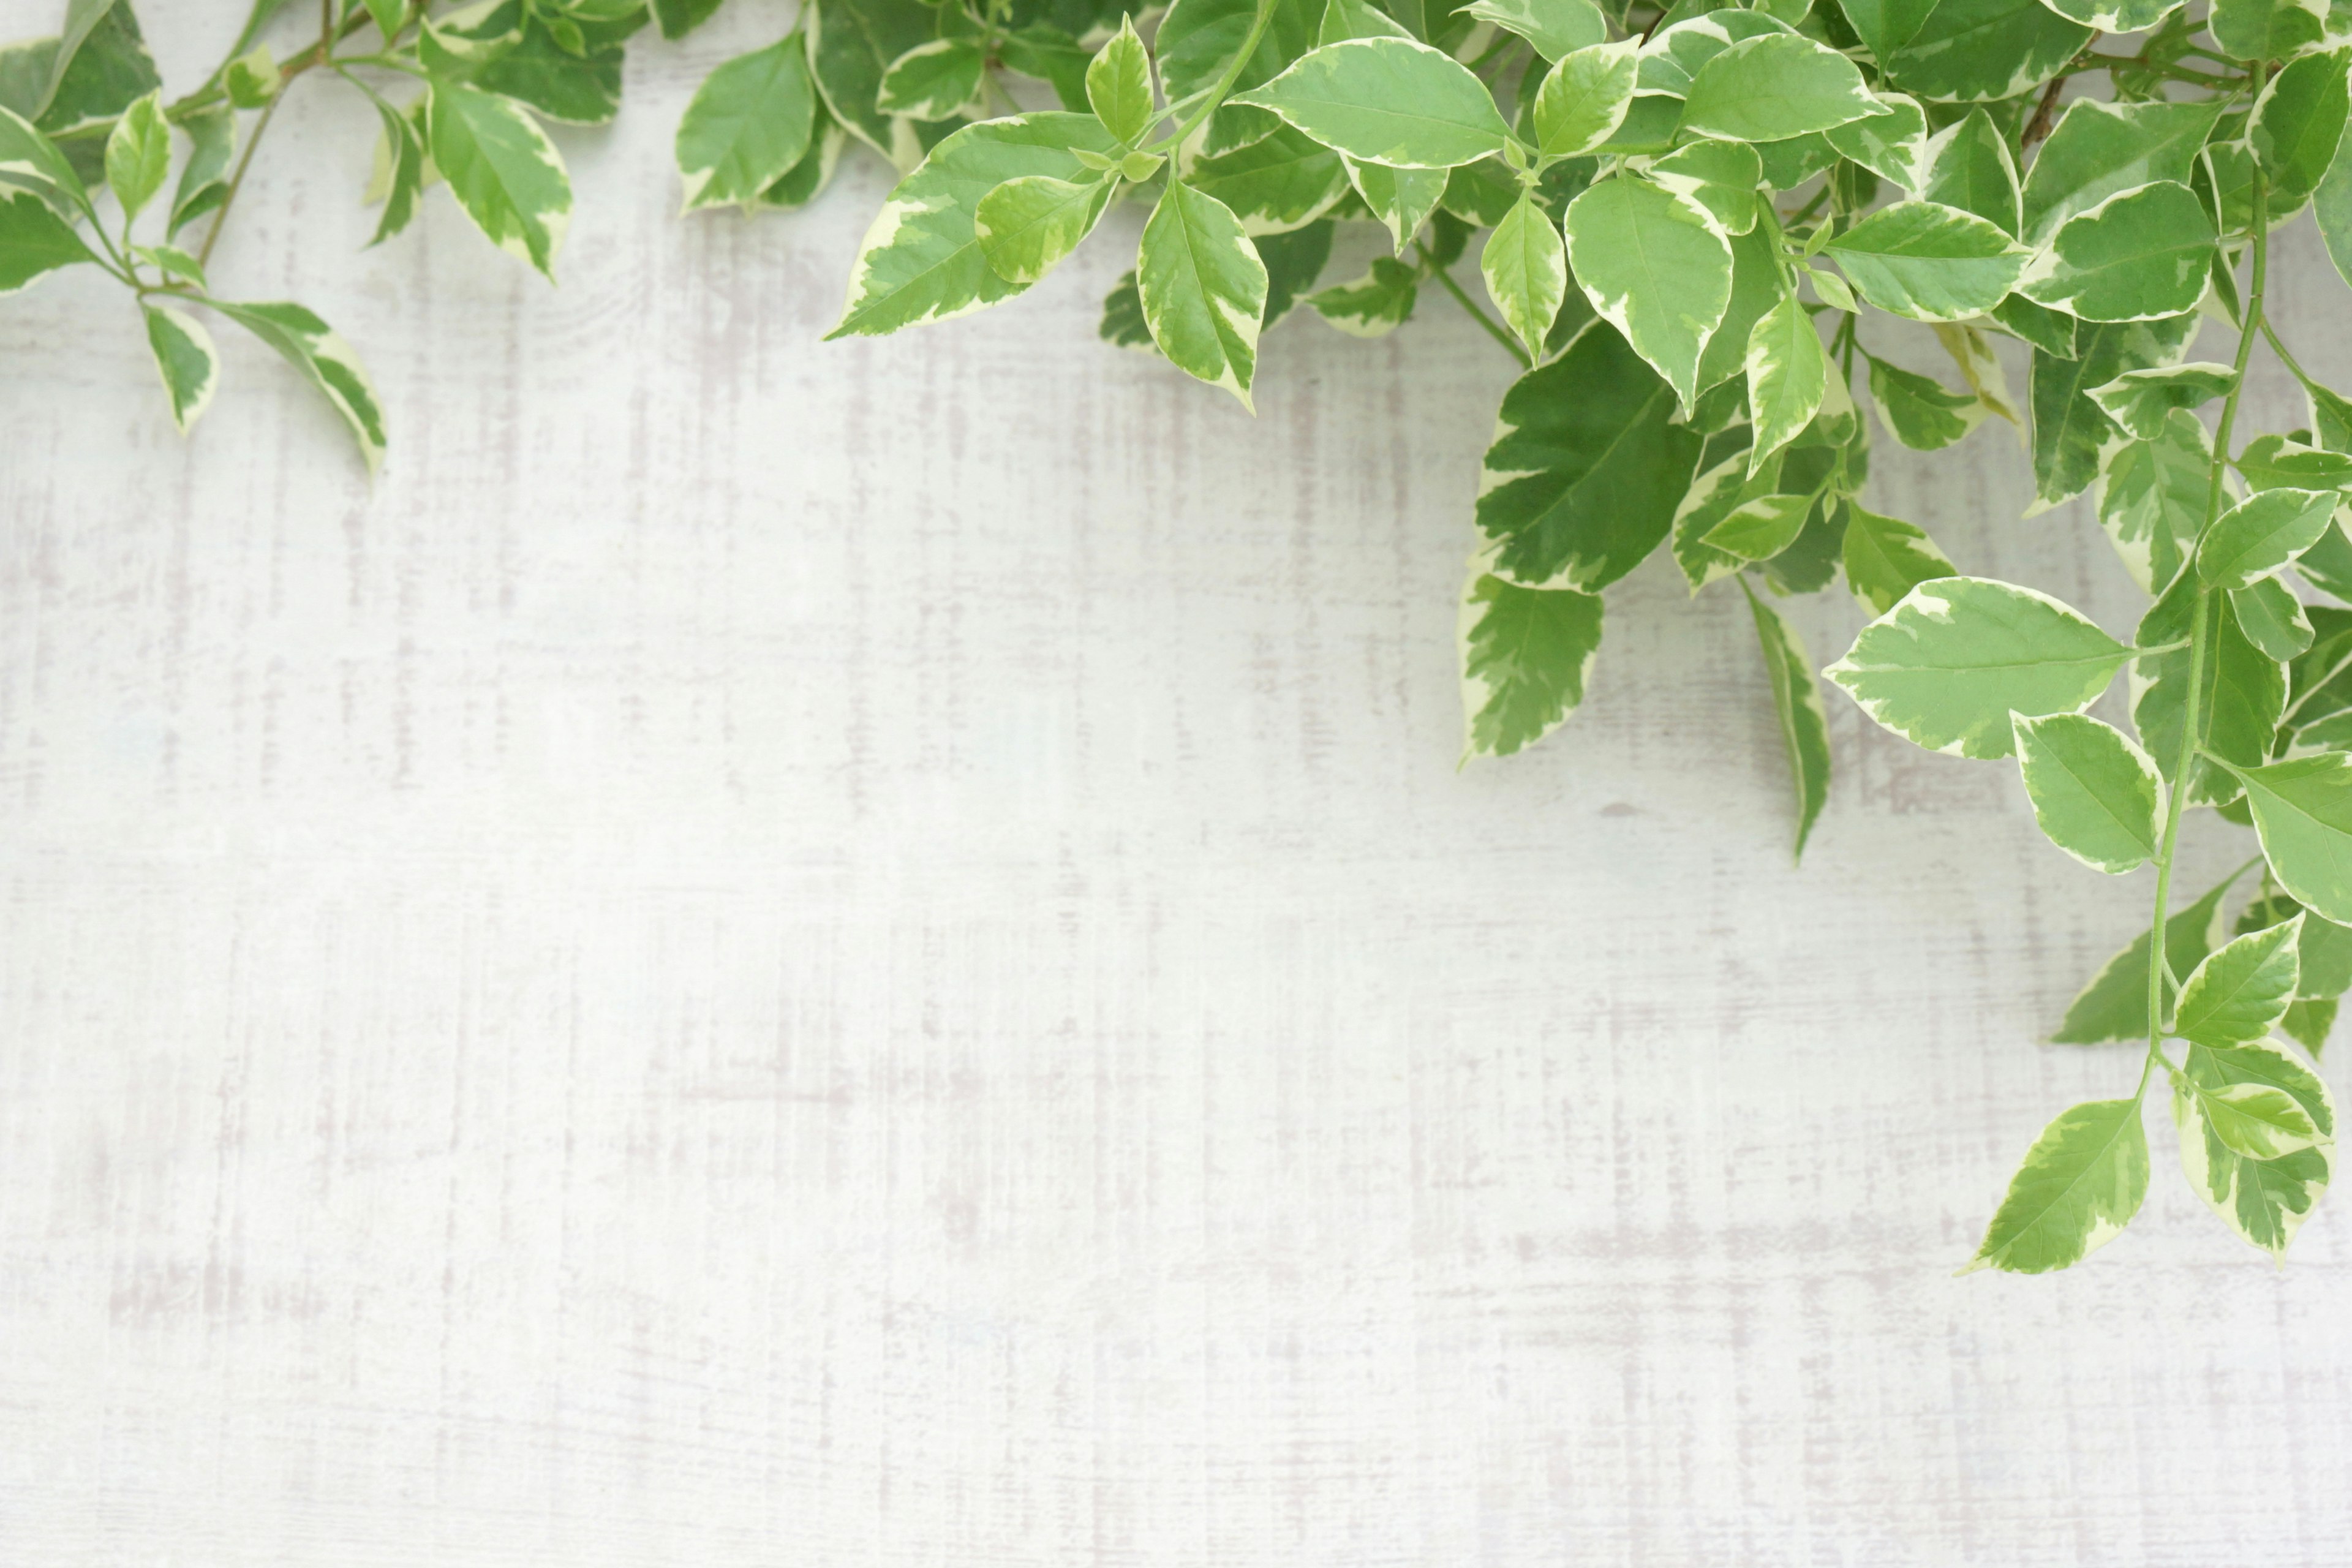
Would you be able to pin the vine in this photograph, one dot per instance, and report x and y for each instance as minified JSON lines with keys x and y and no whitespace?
{"x":1701,"y":223}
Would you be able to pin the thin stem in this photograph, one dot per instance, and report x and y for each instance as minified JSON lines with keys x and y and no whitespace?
{"x":236,"y":179}
{"x":2039,"y":126}
{"x":1495,"y":329}
{"x":2200,"y":612}
{"x":1224,"y":83}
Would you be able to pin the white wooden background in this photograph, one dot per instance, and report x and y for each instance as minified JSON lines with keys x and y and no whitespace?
{"x":874,"y":953}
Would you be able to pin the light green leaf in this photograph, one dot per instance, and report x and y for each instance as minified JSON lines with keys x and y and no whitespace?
{"x":1400,"y":198}
{"x":1677,"y":52}
{"x":2303,"y":811}
{"x":2069,"y":430}
{"x":1197,"y":41}
{"x":1969,"y":167}
{"x":1203,"y":288}
{"x":1971,"y":351}
{"x":101,"y":66}
{"x":1276,"y":183}
{"x":2274,"y":462}
{"x":2265,"y":1201}
{"x":849,"y":48}
{"x":1969,"y":51}
{"x":1760,"y":529}
{"x":1923,"y":414}
{"x":1388,"y":100}
{"x":1525,"y":653}
{"x":2152,"y":497}
{"x":1929,"y":262}
{"x":1345,"y":19}
{"x":921,"y":261}
{"x":1119,"y":85}
{"x":203,"y":178}
{"x":1797,"y":701}
{"x":139,"y":155}
{"x":390,"y":16}
{"x":2255,"y":1120}
{"x":324,"y":359}
{"x":399,"y":170}
{"x":2262,"y":534}
{"x":2114,"y":1005}
{"x":2331,"y":209}
{"x":1587,"y":467}
{"x":1721,"y":487}
{"x":2115,"y":16}
{"x":2266,"y":29}
{"x":1947,"y":666}
{"x":544,"y":74}
{"x":1893,"y":145}
{"x":34,"y":240}
{"x":1583,"y":100}
{"x":2297,"y":124}
{"x":506,"y":175}
{"x":1556,"y":28}
{"x":1885,"y":558}
{"x":1774,"y":87}
{"x":749,"y":123}
{"x":174,"y":264}
{"x":933,"y":81}
{"x":2079,"y":1185}
{"x":1026,"y":226}
{"x":2272,"y":618}
{"x":2142,"y":400}
{"x":30,"y":162}
{"x":2136,"y":257}
{"x":2323,"y":953}
{"x":1657,"y":267}
{"x":1371,"y":306}
{"x":2240,"y":993}
{"x":2101,"y":150}
{"x":2093,"y":791}
{"x":1720,"y":176}
{"x":1526,"y":268}
{"x":186,"y":359}
{"x":1788,"y":372}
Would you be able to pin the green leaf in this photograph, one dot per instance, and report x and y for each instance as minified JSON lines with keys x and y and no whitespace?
{"x":1119,"y":85}
{"x":2102,"y":149}
{"x":2079,"y":1185}
{"x":34,"y":240}
{"x":2265,"y":1201}
{"x":749,"y":123}
{"x":1525,"y":653}
{"x":1892,"y":145}
{"x":1760,"y":529}
{"x":1388,"y":100}
{"x":325,"y":360}
{"x":1774,"y":87}
{"x":1279,"y":183}
{"x":454,"y":44}
{"x":933,"y":81}
{"x":678,"y":18}
{"x":1947,"y":666}
{"x":1720,"y":176}
{"x":2323,"y":953}
{"x":1203,"y":288}
{"x":1657,"y":267}
{"x":30,"y":162}
{"x":2115,"y":16}
{"x":2297,"y":124}
{"x":1797,"y":701}
{"x":1885,"y":558}
{"x":1969,"y":167}
{"x":2256,"y":1121}
{"x":139,"y":155}
{"x":1583,"y":100}
{"x":506,"y":175}
{"x":1526,"y":268}
{"x":2309,"y":1020}
{"x":2114,"y":1005}
{"x":1371,"y":306}
{"x":2262,"y":534}
{"x":2136,"y":257}
{"x":2094,"y":792}
{"x":2069,"y":430}
{"x":1929,"y":262}
{"x":1197,"y":41}
{"x":2243,"y":696}
{"x":1400,"y":198}
{"x":1971,"y":351}
{"x":2152,"y":497}
{"x":2272,"y":618}
{"x":174,"y":264}
{"x":102,"y":65}
{"x":1970,"y":51}
{"x":1756,"y":286}
{"x":921,"y":261}
{"x":1788,"y":372}
{"x":1293,"y":262}
{"x":1586,"y":469}
{"x":1050,"y":55}
{"x":2274,"y":462}
{"x":390,"y":16}
{"x":1026,"y":226}
{"x":2331,"y":209}
{"x":203,"y":178}
{"x":1685,"y":41}
{"x":2240,"y":993}
{"x":850,"y":45}
{"x":186,"y":359}
{"x":581,"y":88}
{"x":2265,"y":29}
{"x":2142,"y":401}
{"x":401,"y":170}
{"x":1345,"y":19}
{"x":1923,"y":414}
{"x":1556,"y":28}
{"x":2303,"y":813}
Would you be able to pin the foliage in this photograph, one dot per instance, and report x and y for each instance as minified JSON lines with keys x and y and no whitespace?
{"x":1692,"y":217}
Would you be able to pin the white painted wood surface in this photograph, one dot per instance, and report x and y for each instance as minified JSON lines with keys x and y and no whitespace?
{"x":874,"y":953}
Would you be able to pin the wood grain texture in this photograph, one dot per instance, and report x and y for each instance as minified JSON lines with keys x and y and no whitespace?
{"x":874,"y":953}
